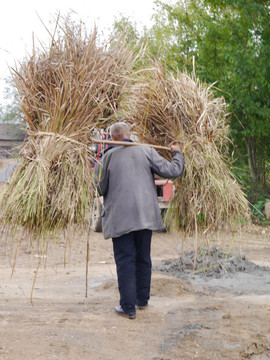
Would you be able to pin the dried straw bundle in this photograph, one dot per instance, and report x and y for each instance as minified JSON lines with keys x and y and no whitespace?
{"x":170,"y":109}
{"x":65,"y":91}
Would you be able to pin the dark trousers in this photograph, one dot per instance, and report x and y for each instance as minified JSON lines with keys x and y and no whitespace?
{"x":133,"y":264}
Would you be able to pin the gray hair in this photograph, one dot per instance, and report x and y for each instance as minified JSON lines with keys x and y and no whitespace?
{"x":120,"y":130}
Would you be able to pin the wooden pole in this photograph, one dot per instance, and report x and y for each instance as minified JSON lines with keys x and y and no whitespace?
{"x":127,"y":143}
{"x":87,"y":261}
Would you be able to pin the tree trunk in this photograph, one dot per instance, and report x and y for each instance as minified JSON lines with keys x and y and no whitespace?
{"x":256,"y":158}
{"x":251,"y":145}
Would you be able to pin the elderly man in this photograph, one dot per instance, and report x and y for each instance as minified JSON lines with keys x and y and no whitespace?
{"x":131,"y":212}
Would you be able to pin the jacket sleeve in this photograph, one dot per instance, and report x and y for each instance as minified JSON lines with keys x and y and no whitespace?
{"x":101,"y":178}
{"x":165,"y":168}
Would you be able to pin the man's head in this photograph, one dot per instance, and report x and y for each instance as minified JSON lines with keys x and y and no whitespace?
{"x":120,"y":131}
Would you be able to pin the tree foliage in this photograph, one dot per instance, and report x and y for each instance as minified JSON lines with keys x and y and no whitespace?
{"x":10,"y":111}
{"x":229,"y":41}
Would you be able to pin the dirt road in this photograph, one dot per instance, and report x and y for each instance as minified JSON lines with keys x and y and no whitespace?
{"x":188,"y":318}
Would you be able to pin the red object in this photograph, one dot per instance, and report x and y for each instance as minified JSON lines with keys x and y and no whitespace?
{"x":167,"y":187}
{"x":101,"y":137}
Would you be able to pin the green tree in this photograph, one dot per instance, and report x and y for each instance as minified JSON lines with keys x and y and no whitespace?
{"x":10,"y":111}
{"x":229,"y":41}
{"x":124,"y":24}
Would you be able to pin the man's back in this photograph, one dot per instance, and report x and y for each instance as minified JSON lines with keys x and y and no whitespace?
{"x":127,"y":184}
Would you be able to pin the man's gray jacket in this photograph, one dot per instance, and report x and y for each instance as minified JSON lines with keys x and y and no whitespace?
{"x":125,"y":179}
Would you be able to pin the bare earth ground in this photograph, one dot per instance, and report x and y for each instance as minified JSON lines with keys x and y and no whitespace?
{"x":189,"y":317}
{"x":186,"y":319}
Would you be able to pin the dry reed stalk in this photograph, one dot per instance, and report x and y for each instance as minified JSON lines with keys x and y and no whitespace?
{"x":170,"y":109}
{"x":66,"y":90}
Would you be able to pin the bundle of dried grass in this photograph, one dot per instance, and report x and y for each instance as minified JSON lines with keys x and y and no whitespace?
{"x":170,"y":109}
{"x":66,"y":90}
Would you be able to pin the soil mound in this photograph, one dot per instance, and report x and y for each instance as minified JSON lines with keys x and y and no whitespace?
{"x":166,"y":286}
{"x":211,"y":263}
{"x":161,"y":285}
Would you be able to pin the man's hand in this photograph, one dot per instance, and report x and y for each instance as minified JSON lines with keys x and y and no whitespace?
{"x":175,"y":148}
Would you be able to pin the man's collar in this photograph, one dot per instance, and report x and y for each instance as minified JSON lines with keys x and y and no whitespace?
{"x":113,"y":146}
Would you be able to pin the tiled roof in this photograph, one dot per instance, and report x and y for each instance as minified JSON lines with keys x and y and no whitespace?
{"x":11,"y":132}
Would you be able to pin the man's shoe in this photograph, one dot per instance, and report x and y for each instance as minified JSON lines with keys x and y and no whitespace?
{"x":142,"y":307}
{"x":121,"y":312}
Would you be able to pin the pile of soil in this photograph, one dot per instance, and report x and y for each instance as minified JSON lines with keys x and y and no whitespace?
{"x":210,"y":263}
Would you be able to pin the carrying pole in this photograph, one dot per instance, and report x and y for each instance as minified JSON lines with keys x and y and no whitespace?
{"x":127,"y":143}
